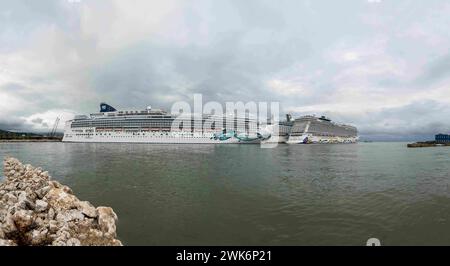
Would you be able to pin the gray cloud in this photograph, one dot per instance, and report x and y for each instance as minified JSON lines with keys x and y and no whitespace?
{"x":13,"y":124}
{"x":415,"y":121}
{"x":37,"y":120}
{"x":227,"y":70}
{"x":436,"y":70}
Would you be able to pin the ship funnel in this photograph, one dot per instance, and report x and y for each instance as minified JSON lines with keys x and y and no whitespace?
{"x":104,"y":108}
{"x":288,"y":117}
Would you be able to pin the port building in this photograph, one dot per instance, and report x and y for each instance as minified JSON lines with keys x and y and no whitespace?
{"x":442,"y":138}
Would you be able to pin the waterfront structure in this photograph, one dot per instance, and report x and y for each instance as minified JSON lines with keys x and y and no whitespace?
{"x":311,"y":129}
{"x":442,"y":138}
{"x":157,"y":126}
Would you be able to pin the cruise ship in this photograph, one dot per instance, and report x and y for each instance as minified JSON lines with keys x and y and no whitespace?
{"x":157,"y":126}
{"x":311,"y":129}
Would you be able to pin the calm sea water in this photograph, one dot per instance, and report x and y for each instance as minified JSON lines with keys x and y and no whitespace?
{"x":245,"y":195}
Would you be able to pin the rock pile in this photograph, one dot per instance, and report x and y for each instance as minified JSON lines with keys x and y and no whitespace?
{"x":35,"y":210}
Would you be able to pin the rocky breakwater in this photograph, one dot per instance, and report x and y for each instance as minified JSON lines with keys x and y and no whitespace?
{"x":35,"y":210}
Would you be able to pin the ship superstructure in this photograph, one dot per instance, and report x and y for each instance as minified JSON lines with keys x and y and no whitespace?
{"x":280,"y":134}
{"x":157,"y":126}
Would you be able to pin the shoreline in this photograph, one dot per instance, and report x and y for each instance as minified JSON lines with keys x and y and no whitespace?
{"x":427,"y":144}
{"x":29,"y":140}
{"x":36,"y":210}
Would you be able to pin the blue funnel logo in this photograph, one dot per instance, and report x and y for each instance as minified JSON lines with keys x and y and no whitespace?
{"x":104,"y":108}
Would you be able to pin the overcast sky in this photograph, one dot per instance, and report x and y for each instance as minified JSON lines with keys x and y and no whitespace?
{"x":381,"y":65}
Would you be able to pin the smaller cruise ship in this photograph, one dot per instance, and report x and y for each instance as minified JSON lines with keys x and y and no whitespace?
{"x":311,"y":129}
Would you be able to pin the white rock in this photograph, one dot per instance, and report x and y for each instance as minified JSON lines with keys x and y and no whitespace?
{"x":39,"y":237}
{"x":70,"y":215}
{"x":42,"y":191}
{"x":22,"y":219}
{"x":30,"y":203}
{"x":53,"y":226}
{"x":73,"y":242}
{"x":11,"y":198}
{"x":4,"y":242}
{"x":87,"y":209}
{"x":41,"y":205}
{"x":51,"y":214}
{"x":9,"y":226}
{"x":106,"y":220}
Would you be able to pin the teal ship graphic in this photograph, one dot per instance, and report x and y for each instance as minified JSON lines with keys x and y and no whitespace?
{"x":242,"y":137}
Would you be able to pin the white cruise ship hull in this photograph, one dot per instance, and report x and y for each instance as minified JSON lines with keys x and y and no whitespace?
{"x":151,"y":137}
{"x":310,"y":139}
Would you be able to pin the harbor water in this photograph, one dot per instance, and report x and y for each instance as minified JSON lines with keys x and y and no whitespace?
{"x":246,"y":195}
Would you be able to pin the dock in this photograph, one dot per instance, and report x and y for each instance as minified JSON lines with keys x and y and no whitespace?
{"x":427,"y":144}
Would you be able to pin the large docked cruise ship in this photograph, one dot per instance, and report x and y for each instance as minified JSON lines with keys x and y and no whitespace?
{"x":311,"y":129}
{"x":157,"y":126}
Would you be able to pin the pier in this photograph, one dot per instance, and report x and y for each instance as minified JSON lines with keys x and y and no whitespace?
{"x":427,"y":144}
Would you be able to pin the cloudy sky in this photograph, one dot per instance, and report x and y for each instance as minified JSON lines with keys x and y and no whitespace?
{"x":382,"y":65}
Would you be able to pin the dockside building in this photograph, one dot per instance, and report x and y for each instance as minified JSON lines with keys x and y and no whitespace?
{"x":442,"y":138}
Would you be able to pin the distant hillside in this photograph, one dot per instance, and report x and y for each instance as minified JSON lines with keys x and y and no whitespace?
{"x":17,"y":135}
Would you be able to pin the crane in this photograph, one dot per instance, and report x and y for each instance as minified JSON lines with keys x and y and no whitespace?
{"x":55,"y":127}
